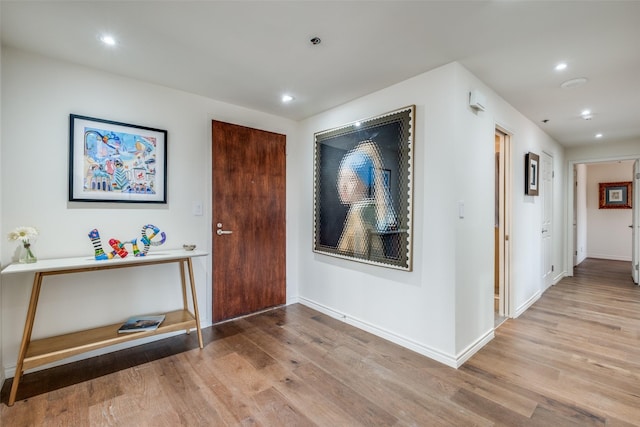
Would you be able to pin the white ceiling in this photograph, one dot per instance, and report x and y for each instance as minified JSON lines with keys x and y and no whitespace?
{"x":249,"y":53}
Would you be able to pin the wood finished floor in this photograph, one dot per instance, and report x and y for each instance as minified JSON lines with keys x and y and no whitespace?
{"x":573,"y":359}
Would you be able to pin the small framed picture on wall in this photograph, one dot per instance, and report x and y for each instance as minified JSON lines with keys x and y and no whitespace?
{"x":532,"y":174}
{"x":615,"y":195}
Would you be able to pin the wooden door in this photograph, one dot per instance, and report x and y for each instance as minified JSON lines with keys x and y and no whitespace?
{"x":503,"y":222}
{"x":248,"y":220}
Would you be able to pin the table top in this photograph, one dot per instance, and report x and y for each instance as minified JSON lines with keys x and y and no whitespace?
{"x":89,"y":261}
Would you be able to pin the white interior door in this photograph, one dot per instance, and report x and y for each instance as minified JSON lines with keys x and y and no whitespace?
{"x":635,"y":225}
{"x":546,"y":194}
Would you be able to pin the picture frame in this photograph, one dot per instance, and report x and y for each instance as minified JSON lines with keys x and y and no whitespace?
{"x":532,"y":174}
{"x":363,"y":190}
{"x":116,"y":162}
{"x":615,"y":195}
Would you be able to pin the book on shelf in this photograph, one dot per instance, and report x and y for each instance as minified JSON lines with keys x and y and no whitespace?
{"x":141,"y":323}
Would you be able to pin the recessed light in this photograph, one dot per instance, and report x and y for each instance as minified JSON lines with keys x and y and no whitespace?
{"x":598,"y":135}
{"x":574,"y":82}
{"x":561,"y":66}
{"x":108,"y":40}
{"x":287,"y":98}
{"x":585,"y":113}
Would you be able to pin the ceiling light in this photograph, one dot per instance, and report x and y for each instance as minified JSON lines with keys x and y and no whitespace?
{"x":574,"y":82}
{"x":561,"y":66}
{"x":287,"y":98}
{"x":357,"y":124}
{"x":585,"y":113}
{"x":108,"y":40}
{"x":598,"y":135}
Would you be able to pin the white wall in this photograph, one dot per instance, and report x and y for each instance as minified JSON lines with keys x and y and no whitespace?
{"x":581,"y":213}
{"x":608,"y":232}
{"x":37,"y":97}
{"x":603,"y":152}
{"x":444,"y":308}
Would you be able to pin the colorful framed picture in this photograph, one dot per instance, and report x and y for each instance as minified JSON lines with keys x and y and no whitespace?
{"x":615,"y":195}
{"x":116,"y":162}
{"x":363,"y":180}
{"x":532,"y":174}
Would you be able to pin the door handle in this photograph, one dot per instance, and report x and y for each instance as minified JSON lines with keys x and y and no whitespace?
{"x":544,"y":230}
{"x":631,"y":226}
{"x":221,"y":232}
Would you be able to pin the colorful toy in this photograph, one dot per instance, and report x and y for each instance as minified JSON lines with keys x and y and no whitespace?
{"x":118,"y":247}
{"x":94,"y":236}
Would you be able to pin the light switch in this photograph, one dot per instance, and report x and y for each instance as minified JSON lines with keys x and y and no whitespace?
{"x":196,"y":208}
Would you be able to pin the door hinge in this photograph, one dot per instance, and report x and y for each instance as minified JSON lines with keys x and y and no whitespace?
{"x":638,"y":175}
{"x":553,"y":268}
{"x":576,"y":253}
{"x":636,"y":267}
{"x":553,"y":174}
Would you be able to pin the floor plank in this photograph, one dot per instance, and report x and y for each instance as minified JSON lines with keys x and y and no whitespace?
{"x":572,"y":359}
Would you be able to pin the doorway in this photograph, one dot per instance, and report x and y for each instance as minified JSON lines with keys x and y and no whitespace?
{"x":249,"y":222}
{"x":601,"y":233}
{"x":502,"y":306}
{"x":635,"y":223}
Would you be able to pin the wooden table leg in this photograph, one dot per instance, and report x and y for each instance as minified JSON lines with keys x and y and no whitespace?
{"x":183,"y":282}
{"x":195,"y":302}
{"x":26,"y":335}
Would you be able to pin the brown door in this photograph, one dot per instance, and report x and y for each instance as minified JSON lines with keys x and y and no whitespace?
{"x":248,"y":220}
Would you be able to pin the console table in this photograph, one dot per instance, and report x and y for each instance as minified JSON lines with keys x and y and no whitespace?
{"x":42,"y":351}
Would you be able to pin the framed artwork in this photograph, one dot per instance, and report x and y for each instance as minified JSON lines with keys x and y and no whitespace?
{"x":363,"y":190}
{"x":532,"y":174}
{"x":615,"y":195}
{"x":116,"y":162}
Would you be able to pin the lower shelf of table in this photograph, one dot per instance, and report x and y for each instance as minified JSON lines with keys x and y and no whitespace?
{"x":51,"y":349}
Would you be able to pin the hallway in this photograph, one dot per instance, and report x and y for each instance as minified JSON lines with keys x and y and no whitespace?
{"x":575,"y":353}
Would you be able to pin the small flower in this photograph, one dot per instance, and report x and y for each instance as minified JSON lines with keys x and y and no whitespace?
{"x":23,"y":234}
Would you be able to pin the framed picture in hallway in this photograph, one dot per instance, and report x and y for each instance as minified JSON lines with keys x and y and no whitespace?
{"x":116,"y":162}
{"x":615,"y":195}
{"x":363,"y":190}
{"x":532,"y":174}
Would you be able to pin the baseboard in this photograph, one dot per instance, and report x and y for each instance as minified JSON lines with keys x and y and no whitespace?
{"x":472,"y":349}
{"x":559,"y":277}
{"x":610,"y":257}
{"x":437,"y":355}
{"x":528,"y":303}
{"x":10,"y":371}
